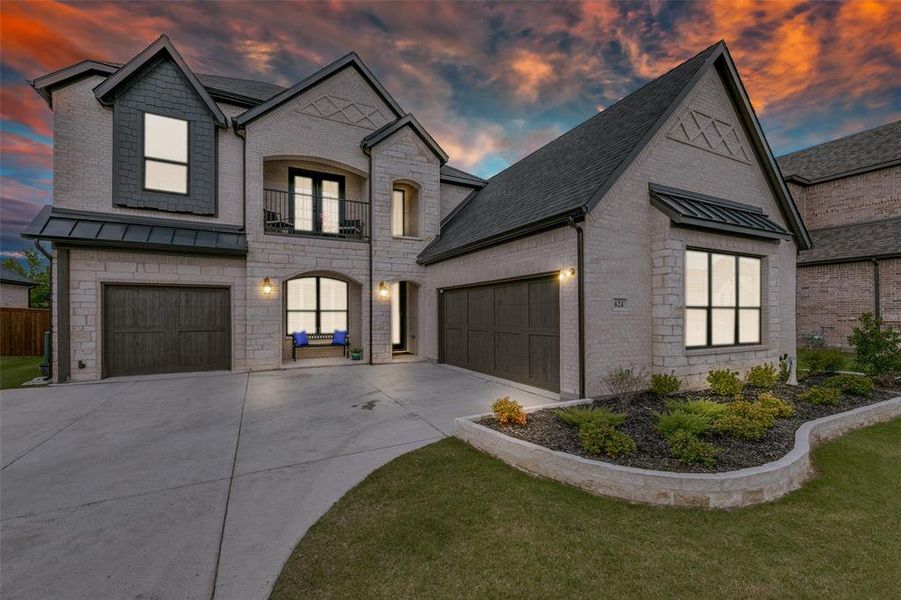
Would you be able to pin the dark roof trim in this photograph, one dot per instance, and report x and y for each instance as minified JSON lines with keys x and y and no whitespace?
{"x":458,"y":177}
{"x":10,"y":277}
{"x":379,"y":135}
{"x":105,"y":90}
{"x":869,"y":168}
{"x":348,"y":60}
{"x":553,"y":222}
{"x":690,"y":209}
{"x":92,"y":229}
{"x":850,"y":259}
{"x":45,"y":84}
{"x":764,"y":152}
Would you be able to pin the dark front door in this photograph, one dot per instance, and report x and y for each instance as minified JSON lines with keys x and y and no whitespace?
{"x":509,"y":329}
{"x":159,"y":329}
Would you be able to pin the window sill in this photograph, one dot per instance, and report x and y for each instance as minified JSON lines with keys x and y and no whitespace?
{"x":408,"y":238}
{"x":725,"y":349}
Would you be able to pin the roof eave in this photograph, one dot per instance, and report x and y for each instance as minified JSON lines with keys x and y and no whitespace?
{"x":45,"y":84}
{"x":464,"y":182}
{"x":378,"y":136}
{"x":848,"y":259}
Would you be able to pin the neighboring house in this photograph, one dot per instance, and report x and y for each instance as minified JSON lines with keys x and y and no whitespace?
{"x":15,"y":289}
{"x":849,"y":193}
{"x":198,"y":220}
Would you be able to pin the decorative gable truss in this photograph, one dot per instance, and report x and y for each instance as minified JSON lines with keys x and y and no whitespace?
{"x":700,"y":130}
{"x":345,"y":111}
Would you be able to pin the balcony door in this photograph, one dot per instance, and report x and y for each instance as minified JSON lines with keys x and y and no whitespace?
{"x":317,"y":201}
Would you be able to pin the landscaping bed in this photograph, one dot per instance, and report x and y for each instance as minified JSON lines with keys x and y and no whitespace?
{"x":651,"y":448}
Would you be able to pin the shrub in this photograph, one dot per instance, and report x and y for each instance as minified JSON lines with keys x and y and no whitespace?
{"x":724,"y":382}
{"x":670,"y":423}
{"x":579,"y":415}
{"x":664,"y":384}
{"x":746,"y":420}
{"x":689,"y":449}
{"x":775,"y":405}
{"x":704,"y":407}
{"x":820,"y":395}
{"x":878,"y":347}
{"x":508,"y":411}
{"x":855,"y":385}
{"x":824,"y":360}
{"x":762,"y":376}
{"x":626,"y":383}
{"x":598,"y":438}
{"x":785,"y":368}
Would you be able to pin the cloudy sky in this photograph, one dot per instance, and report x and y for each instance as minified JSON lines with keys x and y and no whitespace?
{"x":491,"y":81}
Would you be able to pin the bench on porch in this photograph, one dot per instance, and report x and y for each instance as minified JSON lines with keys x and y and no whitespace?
{"x":319,"y":341}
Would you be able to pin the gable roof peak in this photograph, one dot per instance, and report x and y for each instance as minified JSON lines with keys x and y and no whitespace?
{"x":407,"y":120}
{"x":106,"y":90}
{"x":352,"y":60}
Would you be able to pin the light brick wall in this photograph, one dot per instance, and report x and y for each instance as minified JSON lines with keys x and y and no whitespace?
{"x":633,"y":252}
{"x":13,"y":296}
{"x":832,"y":297}
{"x":547,"y":252}
{"x":91,"y":269}
{"x":856,"y":199}
{"x":83,"y":158}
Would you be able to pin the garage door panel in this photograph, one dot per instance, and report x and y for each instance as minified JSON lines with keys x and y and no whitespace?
{"x":508,"y":329}
{"x":165,"y":329}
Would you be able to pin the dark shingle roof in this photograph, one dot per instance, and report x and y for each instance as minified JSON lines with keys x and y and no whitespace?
{"x":94,"y":229}
{"x":248,"y":88}
{"x":873,"y":148}
{"x":844,"y":243}
{"x":561,"y":177}
{"x":697,"y":210}
{"x":451,"y":174}
{"x":10,"y":276}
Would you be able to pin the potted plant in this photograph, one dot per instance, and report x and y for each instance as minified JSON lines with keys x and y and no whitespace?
{"x":356,"y":354}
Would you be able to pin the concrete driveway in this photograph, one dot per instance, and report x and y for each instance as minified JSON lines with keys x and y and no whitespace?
{"x":200,"y":486}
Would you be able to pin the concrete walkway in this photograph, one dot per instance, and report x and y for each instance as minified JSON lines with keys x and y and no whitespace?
{"x":200,"y":486}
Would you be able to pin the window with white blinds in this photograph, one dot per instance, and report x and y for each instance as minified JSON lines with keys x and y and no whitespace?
{"x":722,"y":299}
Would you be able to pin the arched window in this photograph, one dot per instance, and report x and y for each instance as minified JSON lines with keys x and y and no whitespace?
{"x":404,"y":210}
{"x":316,"y":305}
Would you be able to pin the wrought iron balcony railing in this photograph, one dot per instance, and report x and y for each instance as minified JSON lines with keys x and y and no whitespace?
{"x":312,"y":214}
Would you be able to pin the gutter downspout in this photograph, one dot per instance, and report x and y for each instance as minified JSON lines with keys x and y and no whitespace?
{"x":243,"y":135}
{"x":49,"y":257}
{"x":580,"y":282}
{"x":878,"y":303}
{"x":371,"y":288}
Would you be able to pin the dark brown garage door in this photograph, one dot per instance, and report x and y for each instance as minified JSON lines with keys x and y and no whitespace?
{"x":155,"y":329}
{"x":509,"y":329}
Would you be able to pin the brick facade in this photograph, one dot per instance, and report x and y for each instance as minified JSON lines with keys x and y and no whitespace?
{"x":856,"y":199}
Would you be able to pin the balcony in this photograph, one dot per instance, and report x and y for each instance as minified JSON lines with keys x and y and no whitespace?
{"x":316,"y":215}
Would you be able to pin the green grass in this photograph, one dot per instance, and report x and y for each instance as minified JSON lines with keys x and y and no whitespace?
{"x":446,"y":521}
{"x":16,"y":370}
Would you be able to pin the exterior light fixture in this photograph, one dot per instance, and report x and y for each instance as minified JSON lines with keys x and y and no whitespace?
{"x":567,"y":274}
{"x":267,"y":286}
{"x":384,"y":290}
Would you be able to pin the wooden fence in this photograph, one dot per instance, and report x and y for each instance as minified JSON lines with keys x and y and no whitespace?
{"x":22,"y":331}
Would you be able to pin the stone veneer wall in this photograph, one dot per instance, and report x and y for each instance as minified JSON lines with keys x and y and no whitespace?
{"x":90,"y":269}
{"x":856,"y":199}
{"x":13,"y":296}
{"x":831,"y":297}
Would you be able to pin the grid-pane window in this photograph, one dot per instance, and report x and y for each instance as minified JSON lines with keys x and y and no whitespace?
{"x":316,"y":305}
{"x":722,"y":299}
{"x":165,"y":154}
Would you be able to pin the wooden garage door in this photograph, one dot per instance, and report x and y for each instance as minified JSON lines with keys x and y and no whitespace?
{"x":156,"y":329}
{"x":509,"y":329}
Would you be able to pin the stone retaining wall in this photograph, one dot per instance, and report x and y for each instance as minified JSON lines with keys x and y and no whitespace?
{"x":731,"y":489}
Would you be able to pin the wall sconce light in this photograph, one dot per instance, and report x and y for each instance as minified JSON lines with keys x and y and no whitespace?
{"x":267,"y":286}
{"x":567,"y":274}
{"x":384,"y":290}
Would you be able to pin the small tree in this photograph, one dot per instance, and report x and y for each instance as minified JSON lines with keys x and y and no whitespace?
{"x":878,"y":347}
{"x":37,"y":270}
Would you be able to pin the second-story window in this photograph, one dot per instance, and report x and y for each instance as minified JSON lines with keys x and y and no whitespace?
{"x":398,"y":212}
{"x":404,"y":210}
{"x":165,"y":154}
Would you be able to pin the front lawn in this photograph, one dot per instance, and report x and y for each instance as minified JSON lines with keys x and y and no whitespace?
{"x":448,"y":521}
{"x":16,"y":370}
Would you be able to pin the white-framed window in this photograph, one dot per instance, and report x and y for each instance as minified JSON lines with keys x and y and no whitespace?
{"x":404,"y":210}
{"x":315,"y":305}
{"x":398,"y":212}
{"x":722,"y":299}
{"x":165,"y":154}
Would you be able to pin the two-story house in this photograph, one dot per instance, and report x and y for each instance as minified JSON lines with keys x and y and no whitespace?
{"x":199,"y":220}
{"x":849,"y":193}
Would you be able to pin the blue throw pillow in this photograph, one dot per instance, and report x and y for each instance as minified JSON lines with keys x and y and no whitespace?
{"x":300,"y":338}
{"x":339,"y":338}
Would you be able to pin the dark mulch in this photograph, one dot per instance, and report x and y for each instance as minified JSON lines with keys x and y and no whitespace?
{"x":545,"y":429}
